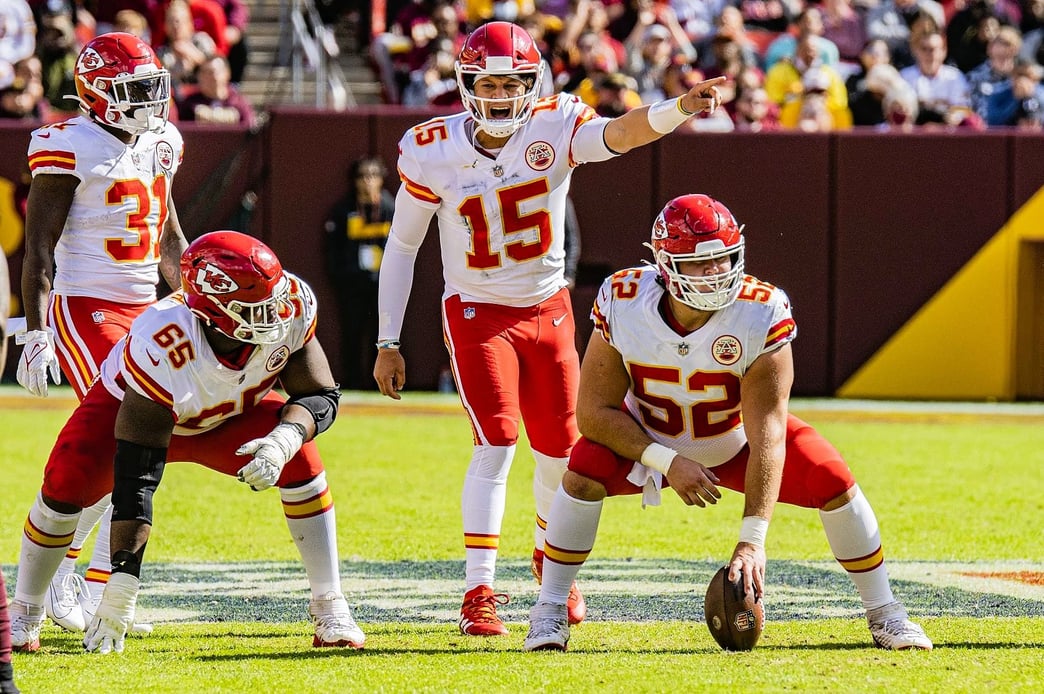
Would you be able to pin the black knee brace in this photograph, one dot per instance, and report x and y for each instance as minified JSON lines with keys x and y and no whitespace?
{"x":137,"y":471}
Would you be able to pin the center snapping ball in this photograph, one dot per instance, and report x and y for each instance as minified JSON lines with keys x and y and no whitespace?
{"x":735,"y":619}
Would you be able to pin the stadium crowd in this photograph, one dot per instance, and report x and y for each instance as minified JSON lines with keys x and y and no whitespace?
{"x":201,"y":43}
{"x":792,"y":64}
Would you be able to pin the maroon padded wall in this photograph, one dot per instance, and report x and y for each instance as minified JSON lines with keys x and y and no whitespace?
{"x":911,"y":211}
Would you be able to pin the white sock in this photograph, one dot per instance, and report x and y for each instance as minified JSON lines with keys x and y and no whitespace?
{"x":88,"y":519}
{"x":100,"y":567}
{"x":856,"y":543}
{"x":571,"y":529}
{"x":309,"y":512}
{"x":45,"y":538}
{"x":482,"y":508}
{"x":546,"y":477}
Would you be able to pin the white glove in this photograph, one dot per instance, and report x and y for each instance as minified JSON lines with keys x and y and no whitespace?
{"x":37,"y":359}
{"x":114,"y":616}
{"x":270,"y":453}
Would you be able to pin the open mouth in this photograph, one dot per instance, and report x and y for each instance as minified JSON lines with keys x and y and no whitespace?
{"x":500,"y":112}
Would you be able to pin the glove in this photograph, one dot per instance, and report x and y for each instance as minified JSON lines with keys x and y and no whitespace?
{"x":38,"y":358}
{"x":270,"y":453}
{"x":114,"y":616}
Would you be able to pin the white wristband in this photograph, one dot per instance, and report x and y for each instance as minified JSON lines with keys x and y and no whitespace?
{"x":658,"y":457}
{"x":665,"y":116}
{"x":753,"y":530}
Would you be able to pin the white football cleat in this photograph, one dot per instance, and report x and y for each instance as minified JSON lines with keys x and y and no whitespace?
{"x":63,"y":601}
{"x":548,"y":627}
{"x":334,"y":625}
{"x":26,"y":621}
{"x":892,"y":629}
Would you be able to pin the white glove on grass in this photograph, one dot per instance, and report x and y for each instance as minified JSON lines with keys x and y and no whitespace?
{"x":114,"y":616}
{"x":38,"y":358}
{"x":270,"y":453}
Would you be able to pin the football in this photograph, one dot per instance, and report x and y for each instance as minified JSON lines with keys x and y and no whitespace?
{"x":735,"y":619}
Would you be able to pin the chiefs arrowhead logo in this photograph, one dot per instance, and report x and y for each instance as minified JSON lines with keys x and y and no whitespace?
{"x":210,"y":279}
{"x":90,"y":60}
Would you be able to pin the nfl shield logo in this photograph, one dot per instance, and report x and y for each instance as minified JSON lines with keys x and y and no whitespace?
{"x":683,"y":348}
{"x":469,"y":313}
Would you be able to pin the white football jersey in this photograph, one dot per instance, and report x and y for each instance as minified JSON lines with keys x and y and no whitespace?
{"x":109,"y":248}
{"x":685,"y":388}
{"x":166,"y":358}
{"x":502,"y":220}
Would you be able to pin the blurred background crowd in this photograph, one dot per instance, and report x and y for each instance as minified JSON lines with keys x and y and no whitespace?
{"x":812,"y":65}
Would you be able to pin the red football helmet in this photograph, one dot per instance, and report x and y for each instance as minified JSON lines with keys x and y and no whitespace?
{"x":235,"y":284}
{"x":506,"y":49}
{"x":121,"y":83}
{"x":698,"y":228}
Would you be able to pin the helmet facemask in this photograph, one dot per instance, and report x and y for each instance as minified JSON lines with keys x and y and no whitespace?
{"x":264,"y":322}
{"x":703,"y":292}
{"x":135,"y":103}
{"x":519,"y":108}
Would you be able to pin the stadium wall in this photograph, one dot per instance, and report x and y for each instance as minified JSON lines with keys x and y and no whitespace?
{"x":864,"y":230}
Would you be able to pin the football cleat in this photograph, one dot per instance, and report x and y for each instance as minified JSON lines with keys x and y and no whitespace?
{"x":576,"y":604}
{"x":26,"y":621}
{"x":548,"y":628}
{"x":478,"y":614}
{"x":63,"y":601}
{"x":334,"y":625}
{"x":892,"y":629}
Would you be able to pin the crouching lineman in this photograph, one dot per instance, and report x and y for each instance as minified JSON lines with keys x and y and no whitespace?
{"x":192,"y":381}
{"x":699,"y":356}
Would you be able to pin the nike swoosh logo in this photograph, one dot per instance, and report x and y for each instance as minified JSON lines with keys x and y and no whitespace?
{"x":558,"y":321}
{"x":32,"y":355}
{"x":45,"y":135}
{"x":155,"y":362}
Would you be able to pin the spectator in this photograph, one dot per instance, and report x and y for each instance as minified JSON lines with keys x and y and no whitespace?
{"x":891,"y":21}
{"x":356,"y":232}
{"x":844,"y":26}
{"x":874,"y":52}
{"x":592,"y":59}
{"x":755,"y":112}
{"x":970,"y":29}
{"x":729,"y":26}
{"x":237,"y":17}
{"x":57,"y":48}
{"x":105,"y":12}
{"x":435,"y":82}
{"x":183,"y":49}
{"x":24,"y":98}
{"x":942,"y":90}
{"x":822,"y":105}
{"x":216,"y":99}
{"x":17,"y":37}
{"x":649,"y":53}
{"x":784,"y":84}
{"x":867,"y":101}
{"x":1019,"y":101}
{"x":808,"y":24}
{"x":403,"y":48}
{"x":698,"y":18}
{"x":1033,"y":31}
{"x":985,"y":79}
{"x":900,"y":108}
{"x":134,"y":23}
{"x":586,"y":32}
{"x":207,"y":17}
{"x":616,"y":94}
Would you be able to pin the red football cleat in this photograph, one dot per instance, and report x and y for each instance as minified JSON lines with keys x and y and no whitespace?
{"x":478,"y":614}
{"x":576,"y":605}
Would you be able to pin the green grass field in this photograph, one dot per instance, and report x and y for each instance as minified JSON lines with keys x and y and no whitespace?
{"x":957,"y":490}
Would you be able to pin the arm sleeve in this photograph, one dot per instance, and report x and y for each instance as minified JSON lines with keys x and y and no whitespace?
{"x":408,"y":228}
{"x":589,"y":142}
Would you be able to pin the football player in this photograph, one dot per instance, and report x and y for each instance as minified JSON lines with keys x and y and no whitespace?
{"x":497,"y":176}
{"x":192,"y":381}
{"x":7,"y":683}
{"x":685,"y":383}
{"x":99,"y":211}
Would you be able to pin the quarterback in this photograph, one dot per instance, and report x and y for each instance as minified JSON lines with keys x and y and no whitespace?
{"x":686,"y":383}
{"x":497,"y":176}
{"x":100,"y":212}
{"x":192,"y":382}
